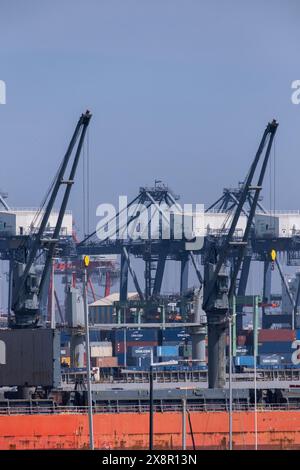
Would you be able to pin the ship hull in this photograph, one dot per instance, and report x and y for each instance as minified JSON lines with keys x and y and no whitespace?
{"x":276,"y":430}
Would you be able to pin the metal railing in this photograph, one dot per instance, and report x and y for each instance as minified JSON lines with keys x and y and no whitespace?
{"x":175,"y":376}
{"x":144,"y":408}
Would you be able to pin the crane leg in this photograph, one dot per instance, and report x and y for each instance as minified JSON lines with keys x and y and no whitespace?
{"x":216,"y":330}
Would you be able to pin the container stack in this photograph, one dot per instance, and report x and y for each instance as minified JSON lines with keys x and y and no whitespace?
{"x":102,"y":355}
{"x":138,"y":344}
{"x":275,"y":346}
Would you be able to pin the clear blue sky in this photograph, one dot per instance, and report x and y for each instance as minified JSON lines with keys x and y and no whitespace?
{"x":180,"y":90}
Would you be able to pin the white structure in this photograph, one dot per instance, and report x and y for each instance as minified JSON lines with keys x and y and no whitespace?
{"x":23,"y":221}
{"x":278,"y":224}
{"x":114,"y":297}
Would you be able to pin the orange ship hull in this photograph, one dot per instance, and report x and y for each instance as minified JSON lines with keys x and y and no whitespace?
{"x":276,"y":430}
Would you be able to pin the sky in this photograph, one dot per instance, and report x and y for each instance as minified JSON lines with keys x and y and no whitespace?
{"x":180,"y":91}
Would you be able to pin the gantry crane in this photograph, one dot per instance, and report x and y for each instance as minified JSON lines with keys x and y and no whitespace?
{"x":219,"y":286}
{"x":27,"y":285}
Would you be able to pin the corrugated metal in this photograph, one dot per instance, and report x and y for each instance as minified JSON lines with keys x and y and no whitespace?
{"x":102,"y":349}
{"x":119,"y":347}
{"x":167,"y":350}
{"x":276,"y":335}
{"x":104,"y":362}
{"x":275,"y":347}
{"x":247,"y":361}
{"x":140,"y":351}
{"x":102,"y":314}
{"x":269,"y":359}
{"x":98,"y":351}
{"x":137,"y":335}
{"x":175,"y":334}
{"x":29,"y":357}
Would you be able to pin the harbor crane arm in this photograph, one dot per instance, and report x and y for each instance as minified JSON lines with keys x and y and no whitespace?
{"x":27,"y":287}
{"x":216,"y":291}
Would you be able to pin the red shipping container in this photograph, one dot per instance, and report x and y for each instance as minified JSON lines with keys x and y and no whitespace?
{"x":104,"y":362}
{"x":241,"y":340}
{"x":276,"y":335}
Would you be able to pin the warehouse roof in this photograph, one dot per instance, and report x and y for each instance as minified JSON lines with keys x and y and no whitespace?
{"x":110,"y":299}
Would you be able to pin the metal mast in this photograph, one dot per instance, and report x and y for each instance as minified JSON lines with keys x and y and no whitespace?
{"x":217,"y":290}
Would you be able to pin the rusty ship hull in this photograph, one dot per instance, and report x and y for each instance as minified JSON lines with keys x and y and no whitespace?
{"x":275,"y":430}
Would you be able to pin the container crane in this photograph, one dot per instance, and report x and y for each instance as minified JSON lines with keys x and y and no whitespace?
{"x":219,"y":287}
{"x":27,"y":285}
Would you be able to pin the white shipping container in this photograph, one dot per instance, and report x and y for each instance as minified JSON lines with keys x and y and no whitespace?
{"x":103,"y":349}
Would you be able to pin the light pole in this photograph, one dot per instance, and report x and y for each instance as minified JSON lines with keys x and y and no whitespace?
{"x":154,"y":364}
{"x":184,"y":424}
{"x":255,"y":344}
{"x":231,"y":321}
{"x":86,"y":261}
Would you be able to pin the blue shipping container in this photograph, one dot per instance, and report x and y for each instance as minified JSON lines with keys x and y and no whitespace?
{"x":242,"y":351}
{"x":142,"y":362}
{"x":175,"y":334}
{"x":297,"y":334}
{"x":145,"y":334}
{"x":167,"y":351}
{"x":247,"y":361}
{"x":140,"y":351}
{"x":269,"y":359}
{"x":102,"y":314}
{"x":277,"y":347}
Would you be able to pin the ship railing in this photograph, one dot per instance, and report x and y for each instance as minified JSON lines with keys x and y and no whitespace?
{"x":144,"y":408}
{"x":194,"y":376}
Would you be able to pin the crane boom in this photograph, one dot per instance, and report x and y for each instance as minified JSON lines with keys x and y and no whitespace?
{"x":217,"y":291}
{"x":27,"y":286}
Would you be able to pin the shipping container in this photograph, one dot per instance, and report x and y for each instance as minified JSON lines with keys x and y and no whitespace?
{"x":103,"y":362}
{"x":30,"y":357}
{"x":144,"y":362}
{"x":167,"y":351}
{"x":137,"y":335}
{"x":246,"y":361}
{"x":101,"y":349}
{"x":102,"y":314}
{"x":241,"y":340}
{"x":269,"y":359}
{"x":275,"y":347}
{"x":140,"y":351}
{"x":280,"y":335}
{"x":174,"y":334}
{"x":121,"y":359}
{"x":95,"y":335}
{"x":243,"y":351}
{"x":297,"y":334}
{"x":64,"y":338}
{"x":119,"y":347}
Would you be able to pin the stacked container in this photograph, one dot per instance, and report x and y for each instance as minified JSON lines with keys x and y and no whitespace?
{"x":275,"y":346}
{"x":132,"y":340}
{"x":102,"y":354}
